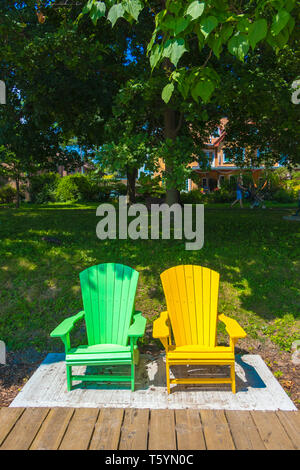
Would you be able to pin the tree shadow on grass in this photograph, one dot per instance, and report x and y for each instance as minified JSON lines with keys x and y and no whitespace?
{"x":256,"y":255}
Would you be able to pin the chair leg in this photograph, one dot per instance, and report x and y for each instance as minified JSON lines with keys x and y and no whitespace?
{"x":168,"y":375}
{"x":69,"y":378}
{"x":132,"y":376}
{"x":232,"y":375}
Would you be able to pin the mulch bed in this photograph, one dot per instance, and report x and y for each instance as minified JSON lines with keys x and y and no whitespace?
{"x":279,"y":362}
{"x":20,"y":367}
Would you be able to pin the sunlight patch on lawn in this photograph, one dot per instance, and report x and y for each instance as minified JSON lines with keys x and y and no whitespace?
{"x":76,"y":289}
{"x":25,"y":263}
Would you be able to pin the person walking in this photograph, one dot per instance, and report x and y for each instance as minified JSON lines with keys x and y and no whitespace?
{"x":239,"y":193}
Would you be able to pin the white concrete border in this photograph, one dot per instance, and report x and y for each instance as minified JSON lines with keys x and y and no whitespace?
{"x":257,"y":389}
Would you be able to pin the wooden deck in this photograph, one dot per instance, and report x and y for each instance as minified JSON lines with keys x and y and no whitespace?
{"x":143,"y":429}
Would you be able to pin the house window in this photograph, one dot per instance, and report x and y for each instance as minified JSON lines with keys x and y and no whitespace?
{"x":143,"y":170}
{"x":204,"y":182}
{"x":216,"y":132}
{"x":221,"y":180}
{"x":187,"y":187}
{"x":226,"y":159}
{"x":210,"y":157}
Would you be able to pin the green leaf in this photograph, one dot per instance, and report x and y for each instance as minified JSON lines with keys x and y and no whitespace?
{"x":201,"y":40}
{"x":150,"y":45}
{"x":117,"y":11}
{"x":159,"y":17}
{"x":155,"y":56}
{"x":216,"y":45}
{"x":203,"y":88}
{"x":282,"y":38}
{"x":97,"y":11}
{"x":88,"y":6}
{"x":291,"y":24}
{"x":167,"y":92}
{"x":226,"y":32}
{"x":173,"y":7}
{"x":257,"y":31}
{"x":176,"y":25}
{"x":289,"y":4}
{"x":195,"y":9}
{"x":238,"y":46}
{"x":133,"y":7}
{"x":279,"y":22}
{"x":208,"y":24}
{"x":183,"y":87}
{"x":174,"y":49}
{"x":86,"y":9}
{"x":243,"y":25}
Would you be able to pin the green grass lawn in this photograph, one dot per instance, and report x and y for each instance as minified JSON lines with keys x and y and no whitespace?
{"x":256,"y":252}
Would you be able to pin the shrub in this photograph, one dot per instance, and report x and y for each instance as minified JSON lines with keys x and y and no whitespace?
{"x":194,"y":197}
{"x":8,"y":194}
{"x":148,"y":186}
{"x":111,"y":188}
{"x":74,"y":188}
{"x":222,"y":195}
{"x":284,"y":195}
{"x":87,"y":188}
{"x":42,"y":187}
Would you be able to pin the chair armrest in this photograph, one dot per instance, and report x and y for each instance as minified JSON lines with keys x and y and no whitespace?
{"x":137,"y":328}
{"x":66,"y":325}
{"x":234,"y":330}
{"x":160,"y":327}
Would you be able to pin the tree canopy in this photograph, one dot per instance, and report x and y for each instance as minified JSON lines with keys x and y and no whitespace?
{"x":179,"y":65}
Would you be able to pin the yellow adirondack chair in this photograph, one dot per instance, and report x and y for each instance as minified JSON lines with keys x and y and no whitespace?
{"x":191,"y":319}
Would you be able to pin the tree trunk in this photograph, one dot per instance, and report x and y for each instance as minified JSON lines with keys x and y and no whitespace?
{"x":170,"y":132}
{"x":131,"y":178}
{"x":18,"y":192}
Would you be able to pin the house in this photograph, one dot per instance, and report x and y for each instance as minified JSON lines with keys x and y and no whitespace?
{"x":63,"y":172}
{"x":221,"y":168}
{"x":82,"y":169}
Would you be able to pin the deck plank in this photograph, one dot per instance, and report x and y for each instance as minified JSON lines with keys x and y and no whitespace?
{"x":53,"y":429}
{"x":107,"y":429}
{"x":80,"y":429}
{"x":162,"y":435}
{"x":271,"y":431}
{"x":216,"y":430}
{"x":25,"y":429}
{"x":243,"y":430}
{"x":189,"y":430}
{"x":116,"y":428}
{"x":291,"y":423}
{"x":134,"y":433}
{"x":8,"y":418}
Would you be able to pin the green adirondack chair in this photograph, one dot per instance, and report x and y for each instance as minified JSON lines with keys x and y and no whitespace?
{"x":112,"y":324}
